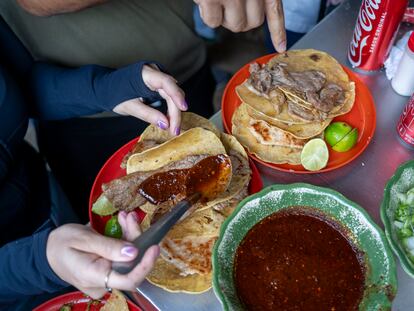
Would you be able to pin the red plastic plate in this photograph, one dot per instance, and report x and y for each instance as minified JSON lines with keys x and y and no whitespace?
{"x":79,"y":301}
{"x":362,"y":116}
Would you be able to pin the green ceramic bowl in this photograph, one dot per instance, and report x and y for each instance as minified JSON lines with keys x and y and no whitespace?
{"x":401,"y":181}
{"x":381,"y":279}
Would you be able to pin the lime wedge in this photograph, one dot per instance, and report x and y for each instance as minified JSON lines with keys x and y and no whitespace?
{"x":336,"y":131}
{"x":113,"y":228}
{"x":347,"y":142}
{"x":314,"y":155}
{"x":103,"y":206}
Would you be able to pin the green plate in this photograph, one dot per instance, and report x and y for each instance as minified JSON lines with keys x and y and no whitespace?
{"x":381,"y":279}
{"x":401,"y":181}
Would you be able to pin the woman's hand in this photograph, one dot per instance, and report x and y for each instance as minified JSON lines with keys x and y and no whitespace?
{"x":168,"y":89}
{"x":82,"y":257}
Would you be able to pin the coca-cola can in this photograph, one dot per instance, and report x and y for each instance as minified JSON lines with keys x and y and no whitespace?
{"x":375,"y":30}
{"x":405,"y":126}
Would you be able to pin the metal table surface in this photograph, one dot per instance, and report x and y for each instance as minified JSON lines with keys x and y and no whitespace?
{"x":362,"y":180}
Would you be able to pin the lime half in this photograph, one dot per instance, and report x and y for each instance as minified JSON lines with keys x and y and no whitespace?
{"x":314,"y":155}
{"x":103,"y":207}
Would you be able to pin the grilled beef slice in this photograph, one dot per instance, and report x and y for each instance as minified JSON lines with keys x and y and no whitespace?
{"x":123,"y":192}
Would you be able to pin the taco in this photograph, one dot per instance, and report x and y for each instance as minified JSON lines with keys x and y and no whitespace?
{"x":299,"y":86}
{"x":269,"y":143}
{"x":301,"y":131}
{"x":176,"y":155}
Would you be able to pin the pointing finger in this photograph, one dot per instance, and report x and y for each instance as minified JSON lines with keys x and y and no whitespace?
{"x":276,"y":22}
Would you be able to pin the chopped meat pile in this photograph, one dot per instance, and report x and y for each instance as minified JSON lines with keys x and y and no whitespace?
{"x":309,"y":85}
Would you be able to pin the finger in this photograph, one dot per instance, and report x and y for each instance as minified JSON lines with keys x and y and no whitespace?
{"x":211,"y":14}
{"x":173,"y":112}
{"x":122,"y":220}
{"x":254,"y":13}
{"x":235,"y":16}
{"x":94,"y":293}
{"x":276,"y":23}
{"x":131,"y":280}
{"x":169,"y":85}
{"x":160,"y":80}
{"x":132,"y":227}
{"x":108,"y":248}
{"x":136,"y":108}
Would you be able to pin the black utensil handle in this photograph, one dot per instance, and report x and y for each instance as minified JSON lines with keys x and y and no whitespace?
{"x":153,"y":235}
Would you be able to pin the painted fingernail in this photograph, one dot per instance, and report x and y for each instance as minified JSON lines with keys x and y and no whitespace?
{"x":162,"y":125}
{"x":281,"y":47}
{"x":129,"y":251}
{"x":177,"y":131}
{"x":185,"y":105}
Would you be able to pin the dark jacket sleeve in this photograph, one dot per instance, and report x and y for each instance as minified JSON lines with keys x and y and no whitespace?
{"x":61,"y":93}
{"x":24,"y":269}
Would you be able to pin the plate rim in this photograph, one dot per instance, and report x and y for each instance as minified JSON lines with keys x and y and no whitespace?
{"x":353,"y":77}
{"x":77,"y":295}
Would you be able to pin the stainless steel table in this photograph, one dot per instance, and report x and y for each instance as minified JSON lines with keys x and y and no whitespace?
{"x":362,"y":181}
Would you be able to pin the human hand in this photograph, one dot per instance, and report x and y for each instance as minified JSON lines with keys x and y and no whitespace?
{"x":82,"y":257}
{"x":168,"y":89}
{"x":243,"y":15}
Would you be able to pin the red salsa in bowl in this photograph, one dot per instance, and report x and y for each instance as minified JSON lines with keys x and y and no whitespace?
{"x":298,"y":259}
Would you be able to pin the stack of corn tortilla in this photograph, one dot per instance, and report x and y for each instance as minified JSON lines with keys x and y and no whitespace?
{"x":289,"y":101}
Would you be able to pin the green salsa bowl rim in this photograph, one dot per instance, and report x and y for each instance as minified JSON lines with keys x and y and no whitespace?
{"x":376,"y":296}
{"x":390,"y":233}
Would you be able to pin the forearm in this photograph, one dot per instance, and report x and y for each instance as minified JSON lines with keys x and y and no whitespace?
{"x":61,"y":93}
{"x":24,"y":269}
{"x":52,"y":7}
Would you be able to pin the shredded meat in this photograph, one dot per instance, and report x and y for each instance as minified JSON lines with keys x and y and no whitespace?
{"x":311,"y":80}
{"x":261,"y":80}
{"x":310,"y":85}
{"x":123,"y":192}
{"x":299,"y":111}
{"x":332,"y":94}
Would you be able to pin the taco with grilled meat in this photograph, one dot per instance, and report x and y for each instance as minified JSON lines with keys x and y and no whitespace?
{"x":299,"y":86}
{"x":180,"y":153}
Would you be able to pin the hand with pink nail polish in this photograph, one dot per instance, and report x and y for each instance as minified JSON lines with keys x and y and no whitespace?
{"x":82,"y":257}
{"x":168,"y":89}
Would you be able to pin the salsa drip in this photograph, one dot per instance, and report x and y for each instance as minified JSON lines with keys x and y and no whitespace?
{"x":299,"y":260}
{"x":209,"y":177}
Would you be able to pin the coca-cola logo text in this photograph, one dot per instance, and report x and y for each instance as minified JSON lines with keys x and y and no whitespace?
{"x":363,"y":25}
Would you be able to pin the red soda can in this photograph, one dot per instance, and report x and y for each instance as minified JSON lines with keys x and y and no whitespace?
{"x":405,"y":127}
{"x":375,"y":31}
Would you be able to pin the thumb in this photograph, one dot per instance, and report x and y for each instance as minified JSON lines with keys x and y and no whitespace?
{"x":108,"y":248}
